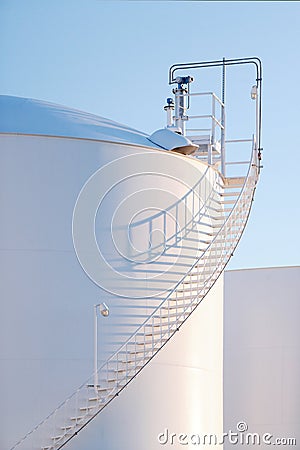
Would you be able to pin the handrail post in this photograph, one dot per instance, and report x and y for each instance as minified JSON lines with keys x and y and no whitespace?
{"x":104,"y":311}
{"x":96,"y":381}
{"x":213,"y":122}
{"x":223,"y":159}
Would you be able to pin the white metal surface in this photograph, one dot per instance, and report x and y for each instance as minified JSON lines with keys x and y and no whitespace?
{"x":261,"y":355}
{"x":36,"y":117}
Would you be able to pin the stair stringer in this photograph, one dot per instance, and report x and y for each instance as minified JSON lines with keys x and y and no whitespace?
{"x":71,"y":416}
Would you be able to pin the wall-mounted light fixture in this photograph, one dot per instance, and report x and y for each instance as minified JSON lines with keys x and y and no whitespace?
{"x":254,"y":92}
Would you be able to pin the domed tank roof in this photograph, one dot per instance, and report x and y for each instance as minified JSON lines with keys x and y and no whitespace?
{"x":35,"y":117}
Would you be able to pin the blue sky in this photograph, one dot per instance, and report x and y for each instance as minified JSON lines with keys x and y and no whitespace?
{"x":112,"y":59}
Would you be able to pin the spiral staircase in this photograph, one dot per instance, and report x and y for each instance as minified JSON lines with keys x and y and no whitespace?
{"x":217,"y":226}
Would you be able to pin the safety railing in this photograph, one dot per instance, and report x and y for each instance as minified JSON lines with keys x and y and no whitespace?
{"x":211,"y":141}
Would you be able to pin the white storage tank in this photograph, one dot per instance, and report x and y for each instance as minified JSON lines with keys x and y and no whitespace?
{"x":91,"y":213}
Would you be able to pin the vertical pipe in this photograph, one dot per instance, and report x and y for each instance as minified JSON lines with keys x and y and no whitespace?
{"x":150,"y":239}
{"x":223,"y":122}
{"x":213,"y":122}
{"x":257,"y":119}
{"x":165,"y":230}
{"x":95,"y":349}
{"x":209,"y":154}
{"x":169,"y":117}
{"x":183,"y":110}
{"x":180,"y":108}
{"x":212,"y":139}
{"x":177,"y":108}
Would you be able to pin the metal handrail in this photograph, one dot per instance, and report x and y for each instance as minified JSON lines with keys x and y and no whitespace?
{"x":253,"y":164}
{"x":229,"y":62}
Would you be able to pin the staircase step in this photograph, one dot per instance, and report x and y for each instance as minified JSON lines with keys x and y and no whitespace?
{"x":179,"y":299}
{"x":153,"y":333}
{"x":167,"y":316}
{"x":157,"y":324}
{"x":145,"y":351}
{"x":188,"y":299}
{"x":78,"y":418}
{"x":68,"y":427}
{"x":228,"y":202}
{"x":206,"y":233}
{"x":207,"y":264}
{"x":183,"y":294}
{"x":187,"y":293}
{"x":57,"y":438}
{"x":223,"y":218}
{"x":119,"y":370}
{"x":191,"y":283}
{"x":137,"y":352}
{"x":87,"y":408}
{"x":205,"y":224}
{"x":230,"y":194}
{"x":196,"y":239}
{"x":103,"y":400}
{"x":136,"y":360}
{"x":99,"y":388}
{"x":186,"y":247}
{"x":114,"y":380}
{"x":234,"y":182}
{"x":167,"y":308}
{"x":149,"y":341}
{"x":165,"y":325}
{"x":223,"y":210}
{"x":218,"y":210}
{"x":193,"y":277}
{"x":186,"y":290}
{"x":146,"y":344}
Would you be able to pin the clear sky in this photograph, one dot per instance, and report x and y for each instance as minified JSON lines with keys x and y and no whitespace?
{"x":112,"y":58}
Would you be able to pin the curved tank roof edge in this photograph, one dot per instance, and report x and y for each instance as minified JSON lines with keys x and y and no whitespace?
{"x":20,"y":115}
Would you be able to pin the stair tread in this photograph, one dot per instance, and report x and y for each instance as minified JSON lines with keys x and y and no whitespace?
{"x":136,"y":360}
{"x":99,"y":388}
{"x":166,"y":316}
{"x":229,"y":181}
{"x":230,"y":194}
{"x":87,"y":408}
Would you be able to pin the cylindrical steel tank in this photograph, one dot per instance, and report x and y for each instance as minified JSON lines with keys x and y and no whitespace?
{"x":63,"y":174}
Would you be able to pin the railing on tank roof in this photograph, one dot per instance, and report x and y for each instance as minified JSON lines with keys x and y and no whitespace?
{"x":212,"y":146}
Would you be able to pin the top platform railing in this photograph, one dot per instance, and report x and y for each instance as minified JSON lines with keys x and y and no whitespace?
{"x":209,"y":130}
